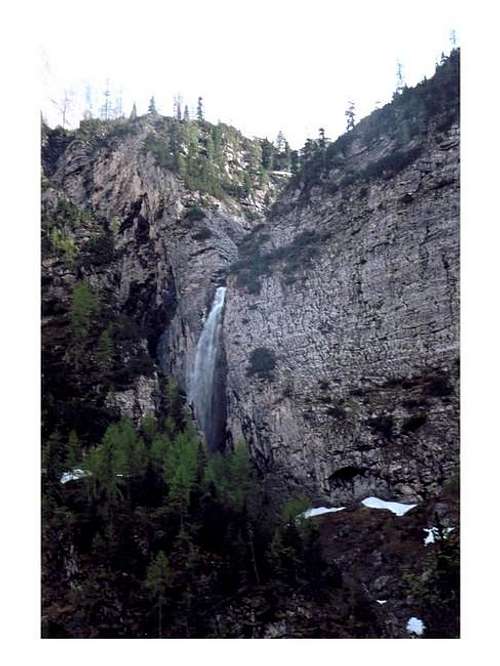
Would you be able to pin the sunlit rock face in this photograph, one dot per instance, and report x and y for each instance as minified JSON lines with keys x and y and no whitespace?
{"x":358,"y":313}
{"x":338,"y":352}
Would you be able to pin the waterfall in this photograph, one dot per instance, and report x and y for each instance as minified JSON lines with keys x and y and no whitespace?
{"x":208,"y":410}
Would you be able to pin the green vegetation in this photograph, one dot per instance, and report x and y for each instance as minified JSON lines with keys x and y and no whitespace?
{"x":407,"y":117}
{"x":194,"y":213}
{"x":200,"y":152}
{"x":59,"y":224}
{"x":105,"y":348}
{"x":437,"y":587}
{"x":255,"y":264}
{"x":63,"y":244}
{"x":166,"y":533}
{"x":84,"y":308}
{"x":414,"y":422}
{"x":262,"y":363}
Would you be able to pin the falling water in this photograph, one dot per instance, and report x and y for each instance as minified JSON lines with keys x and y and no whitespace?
{"x":204,"y":380}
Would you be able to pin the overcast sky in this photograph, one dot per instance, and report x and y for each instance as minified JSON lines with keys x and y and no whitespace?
{"x":262,"y":66}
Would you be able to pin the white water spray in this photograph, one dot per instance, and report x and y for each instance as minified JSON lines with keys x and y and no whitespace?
{"x":203,"y":378}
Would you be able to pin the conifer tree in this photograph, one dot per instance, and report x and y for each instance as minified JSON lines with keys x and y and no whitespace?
{"x":267,"y":154}
{"x":106,"y":107}
{"x":350,"y":115}
{"x":133,"y":113}
{"x":104,"y":353}
{"x":158,"y":581}
{"x":280,"y":142}
{"x":178,"y":107}
{"x":152,"y":106}
{"x":199,"y":110}
{"x":186,"y":113}
{"x":84,"y":306}
{"x":322,"y":140}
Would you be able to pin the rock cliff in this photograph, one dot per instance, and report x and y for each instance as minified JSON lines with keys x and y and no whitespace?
{"x":150,"y":238}
{"x":341,"y":325}
{"x":341,"y":320}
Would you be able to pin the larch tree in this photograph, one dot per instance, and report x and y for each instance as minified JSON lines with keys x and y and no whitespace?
{"x":158,"y":581}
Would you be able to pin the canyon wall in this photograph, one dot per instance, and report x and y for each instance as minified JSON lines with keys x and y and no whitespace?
{"x":340,"y":328}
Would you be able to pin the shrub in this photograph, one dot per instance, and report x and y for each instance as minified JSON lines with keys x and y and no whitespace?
{"x":439,"y":386}
{"x":63,"y":244}
{"x":84,"y":307}
{"x":262,"y":363}
{"x":194,"y":213}
{"x":203,"y":234}
{"x":414,"y":422}
{"x":254,"y":264}
{"x":382,"y":424}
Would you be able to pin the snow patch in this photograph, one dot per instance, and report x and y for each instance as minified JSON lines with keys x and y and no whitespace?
{"x":320,"y":510}
{"x":396,"y":507}
{"x":434,"y":534}
{"x":74,"y":475}
{"x":415,"y":626}
{"x":381,"y":601}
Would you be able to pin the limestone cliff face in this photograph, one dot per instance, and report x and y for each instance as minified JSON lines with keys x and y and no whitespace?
{"x":341,"y":320}
{"x":342,"y":335}
{"x":153,"y":250}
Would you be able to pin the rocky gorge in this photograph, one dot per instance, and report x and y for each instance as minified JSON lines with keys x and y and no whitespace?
{"x":339,"y":345}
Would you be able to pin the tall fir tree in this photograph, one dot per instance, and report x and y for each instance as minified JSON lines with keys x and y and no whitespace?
{"x":199,"y":110}
{"x":152,"y":106}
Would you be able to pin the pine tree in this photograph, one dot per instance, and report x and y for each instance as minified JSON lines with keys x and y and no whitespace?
{"x":350,"y":115}
{"x":105,"y":349}
{"x":280,"y":142}
{"x":152,"y":106}
{"x":84,"y":306}
{"x":186,"y":113}
{"x":322,"y":140}
{"x":199,"y":110}
{"x":158,"y":582}
{"x":267,"y":154}
{"x":308,"y":150}
{"x":133,"y":113}
{"x":178,"y":107}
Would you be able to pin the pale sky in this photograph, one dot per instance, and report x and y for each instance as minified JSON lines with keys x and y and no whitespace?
{"x":263,"y":66}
